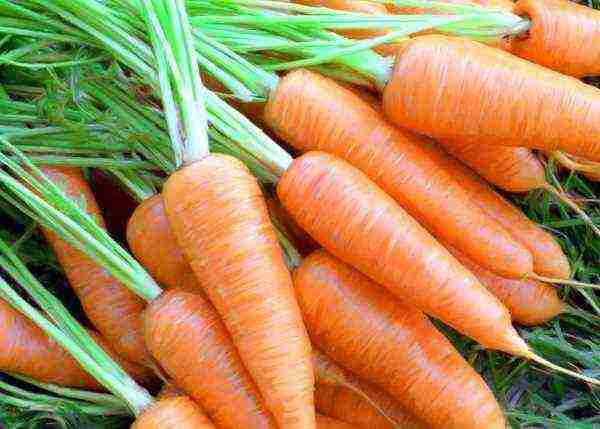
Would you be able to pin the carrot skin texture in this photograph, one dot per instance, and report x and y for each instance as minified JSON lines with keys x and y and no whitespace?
{"x":185,"y":335}
{"x":428,"y":93}
{"x":324,"y":422}
{"x":361,"y":225}
{"x":548,"y":258}
{"x":312,"y":112}
{"x":219,"y":216}
{"x":563,"y":36}
{"x":113,"y":309}
{"x":173,"y":413}
{"x":407,"y":356}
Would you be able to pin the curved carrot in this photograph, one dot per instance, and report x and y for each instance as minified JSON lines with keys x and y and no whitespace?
{"x":450,"y":88}
{"x":219,"y":216}
{"x":173,"y":413}
{"x":360,"y":324}
{"x":153,"y":243}
{"x":324,"y":422}
{"x":563,"y":36}
{"x":185,"y":335}
{"x":113,"y":309}
{"x":312,"y":112}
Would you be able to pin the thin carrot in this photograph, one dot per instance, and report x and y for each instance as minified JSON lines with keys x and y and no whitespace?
{"x":113,"y":309}
{"x":173,"y":413}
{"x":563,"y":36}
{"x":184,"y":333}
{"x":324,"y":422}
{"x":505,"y":101}
{"x":218,"y":214}
{"x":360,"y":324}
{"x":312,"y":112}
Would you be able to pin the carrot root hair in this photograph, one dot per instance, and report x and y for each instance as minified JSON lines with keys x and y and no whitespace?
{"x":544,"y":362}
{"x":573,"y":206}
{"x":567,"y":282}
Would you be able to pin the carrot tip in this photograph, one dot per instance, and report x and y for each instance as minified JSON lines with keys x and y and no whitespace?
{"x":536,"y":358}
{"x":573,"y":206}
{"x":568,"y":282}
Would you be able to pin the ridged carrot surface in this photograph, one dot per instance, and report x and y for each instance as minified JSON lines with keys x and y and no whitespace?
{"x":218,"y":214}
{"x":185,"y":335}
{"x":113,"y":309}
{"x":361,"y":325}
{"x":173,"y":413}
{"x":360,"y":224}
{"x":312,"y":112}
{"x":563,"y":36}
{"x":324,"y":422}
{"x":451,"y":88}
{"x":548,"y":257}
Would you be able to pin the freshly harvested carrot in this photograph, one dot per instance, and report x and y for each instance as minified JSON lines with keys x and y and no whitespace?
{"x":153,"y":243}
{"x":219,"y":217}
{"x":185,"y":335}
{"x":548,"y":258}
{"x":324,"y":422}
{"x":114,"y":310}
{"x":358,"y":323}
{"x":173,"y":413}
{"x":530,"y":302}
{"x":312,"y":112}
{"x":563,"y":36}
{"x":505,"y":100}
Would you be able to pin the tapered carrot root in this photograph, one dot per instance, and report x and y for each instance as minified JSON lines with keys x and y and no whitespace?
{"x":312,"y":112}
{"x":515,"y":102}
{"x":563,"y":36}
{"x":548,"y":257}
{"x":173,"y":413}
{"x":114,"y":310}
{"x":185,"y":335}
{"x":324,"y":422}
{"x":219,"y":216}
{"x":372,"y":233}
{"x":358,"y":323}
{"x":153,"y":243}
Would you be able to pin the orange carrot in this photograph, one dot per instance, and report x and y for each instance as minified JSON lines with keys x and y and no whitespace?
{"x":113,"y":309}
{"x":324,"y":422}
{"x":505,"y":100}
{"x":312,"y":112}
{"x":173,"y":413}
{"x":563,"y":36}
{"x":185,"y":335}
{"x":219,"y":217}
{"x":358,"y":323}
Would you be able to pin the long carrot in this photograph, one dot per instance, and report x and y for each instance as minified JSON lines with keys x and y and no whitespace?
{"x":360,"y":324}
{"x":312,"y":112}
{"x":563,"y":36}
{"x":173,"y":413}
{"x":505,"y":101}
{"x":112,"y":308}
{"x":324,"y":422}
{"x":184,"y":333}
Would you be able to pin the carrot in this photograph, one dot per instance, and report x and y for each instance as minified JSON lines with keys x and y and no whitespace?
{"x":219,"y":217}
{"x":505,"y":101}
{"x":184,"y":333}
{"x":563,"y":36}
{"x":312,"y":112}
{"x":358,"y":323}
{"x":113,"y":309}
{"x":324,"y":422}
{"x":173,"y":413}
{"x":169,"y":390}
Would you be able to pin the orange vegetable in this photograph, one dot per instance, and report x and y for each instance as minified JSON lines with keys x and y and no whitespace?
{"x":505,"y":100}
{"x":324,"y":422}
{"x":113,"y":309}
{"x":358,"y":323}
{"x":185,"y":335}
{"x":312,"y":112}
{"x":173,"y":413}
{"x":219,"y":216}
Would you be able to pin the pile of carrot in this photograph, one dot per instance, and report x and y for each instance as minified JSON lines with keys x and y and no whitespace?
{"x":396,"y":208}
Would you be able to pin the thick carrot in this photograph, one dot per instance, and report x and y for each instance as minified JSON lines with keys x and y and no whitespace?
{"x":548,"y":258}
{"x":173,"y":413}
{"x":358,"y":323}
{"x":153,"y":243}
{"x":324,"y":422}
{"x":450,"y":88}
{"x":563,"y":36}
{"x":185,"y":335}
{"x":113,"y":309}
{"x":312,"y":112}
{"x":219,"y":216}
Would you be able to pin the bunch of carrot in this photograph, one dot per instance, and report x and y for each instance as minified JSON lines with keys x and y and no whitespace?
{"x":399,"y":226}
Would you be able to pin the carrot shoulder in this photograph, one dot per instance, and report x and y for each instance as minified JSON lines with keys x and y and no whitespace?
{"x":360,"y":325}
{"x":173,"y":413}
